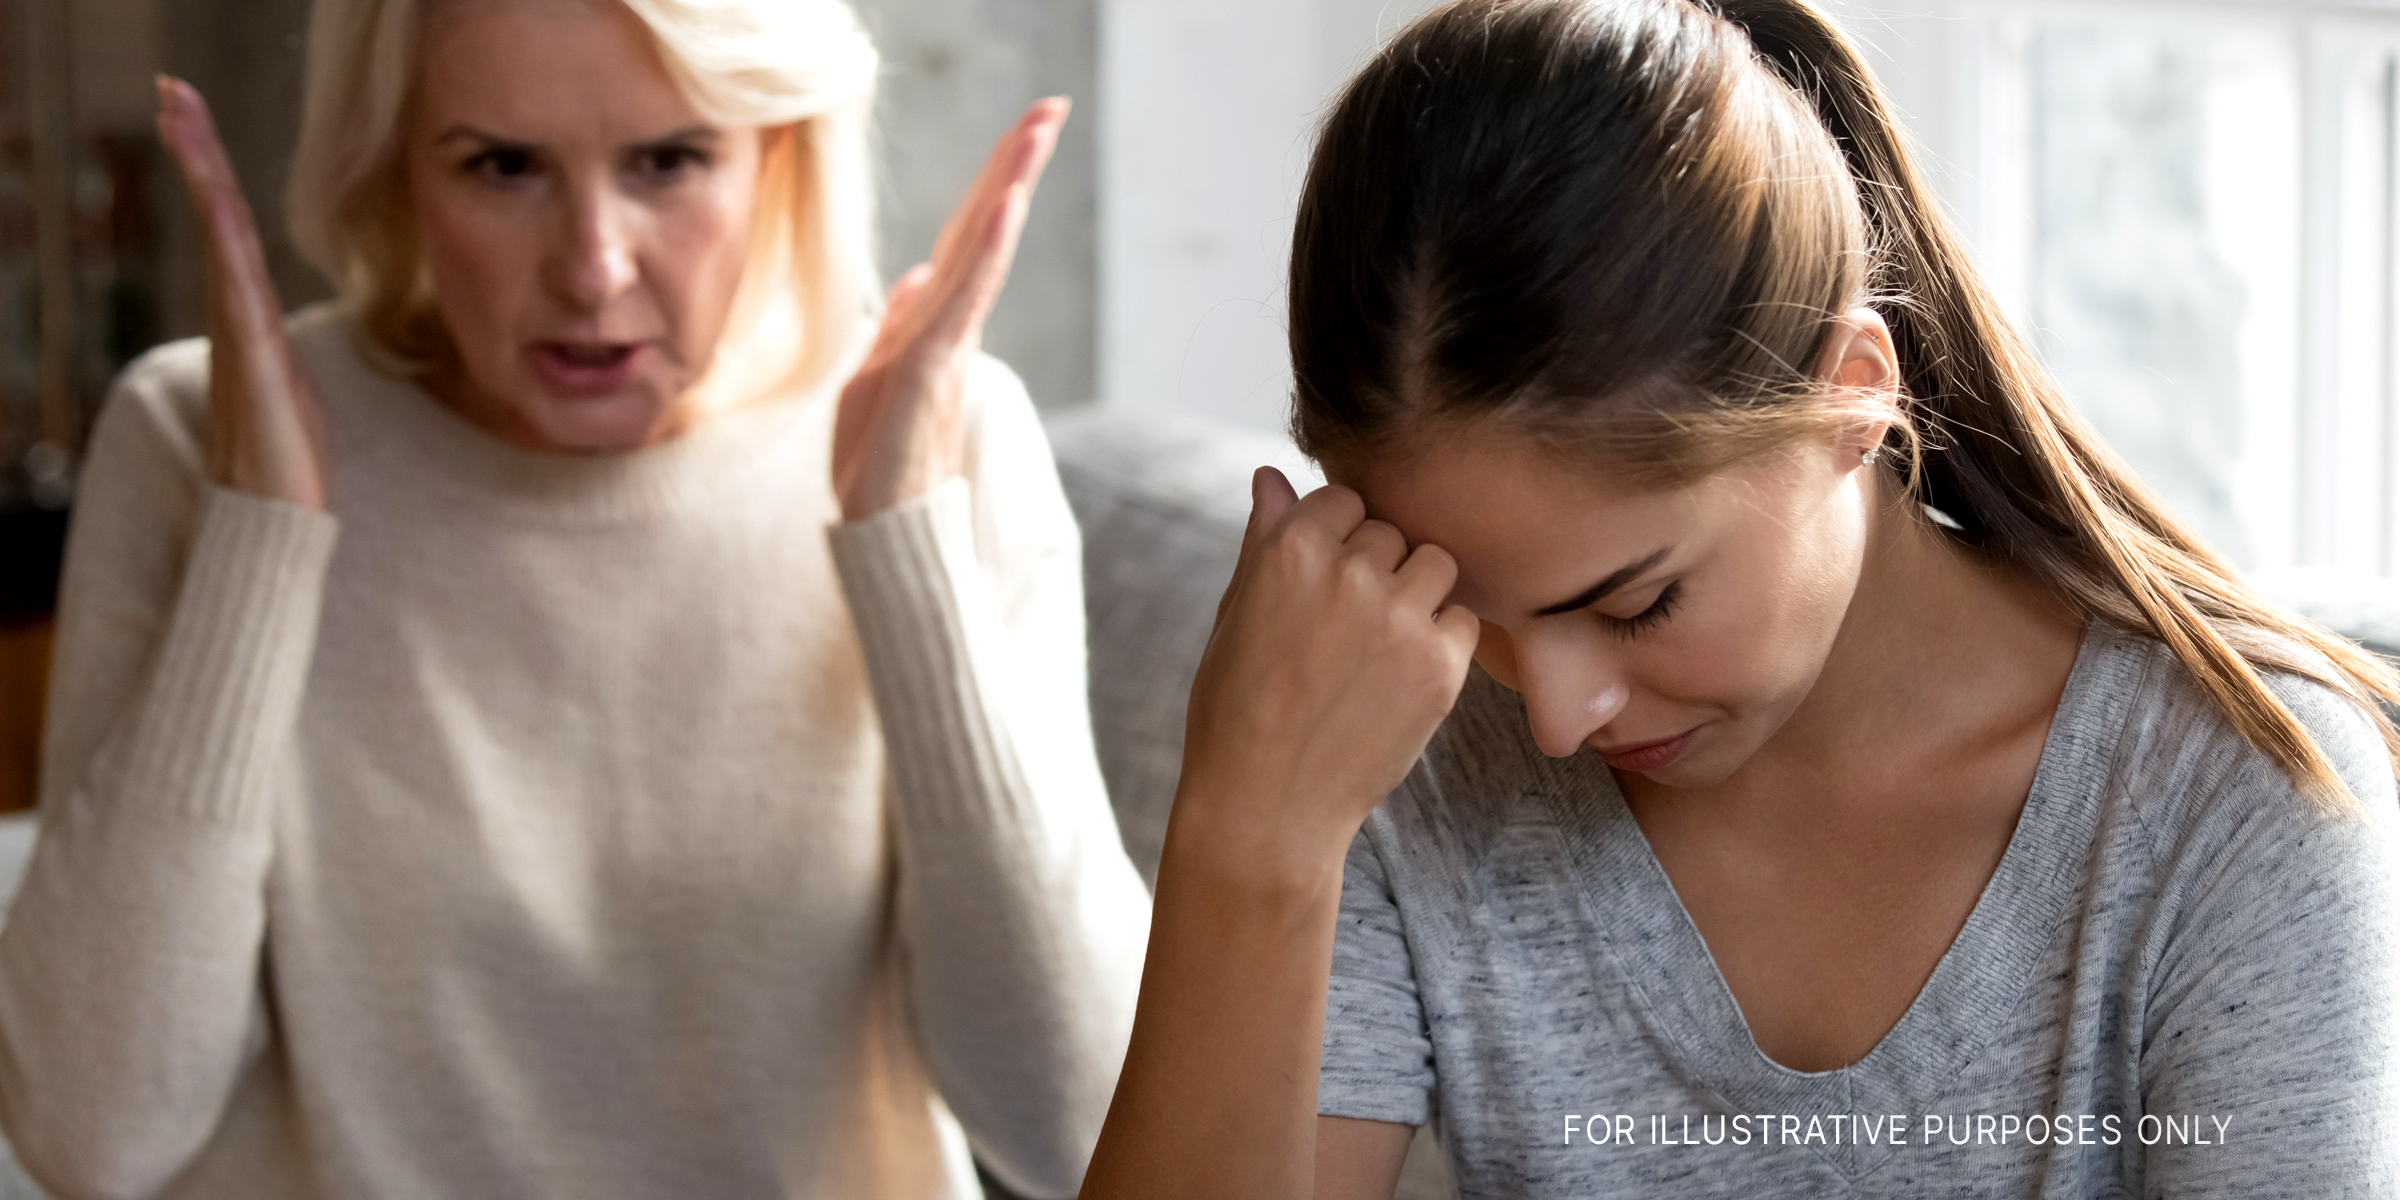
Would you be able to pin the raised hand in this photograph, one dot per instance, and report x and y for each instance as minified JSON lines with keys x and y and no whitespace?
{"x":266,"y":430}
{"x":1332,"y":661}
{"x":901,"y":429}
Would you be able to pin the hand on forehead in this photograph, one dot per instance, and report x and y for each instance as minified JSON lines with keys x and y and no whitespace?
{"x":1521,"y":522}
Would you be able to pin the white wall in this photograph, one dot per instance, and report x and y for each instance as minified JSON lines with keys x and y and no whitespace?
{"x":1210,"y":110}
{"x":957,"y":73}
{"x":1209,"y":115}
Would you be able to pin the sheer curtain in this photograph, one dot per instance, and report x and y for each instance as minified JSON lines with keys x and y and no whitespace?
{"x":2190,"y":207}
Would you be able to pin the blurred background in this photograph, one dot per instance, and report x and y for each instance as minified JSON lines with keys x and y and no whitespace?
{"x":2190,"y":204}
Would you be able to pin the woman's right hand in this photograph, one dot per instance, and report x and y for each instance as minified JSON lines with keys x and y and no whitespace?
{"x":266,"y":430}
{"x":1332,"y":662}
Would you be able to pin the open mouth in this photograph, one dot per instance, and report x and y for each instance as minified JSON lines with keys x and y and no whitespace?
{"x":590,"y":355}
{"x":586,"y":368}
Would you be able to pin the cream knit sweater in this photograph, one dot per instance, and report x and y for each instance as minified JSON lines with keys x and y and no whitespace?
{"x":543,"y":826}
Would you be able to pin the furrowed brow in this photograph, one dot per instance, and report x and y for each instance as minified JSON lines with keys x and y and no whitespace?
{"x":468,"y":133}
{"x":680,"y":137}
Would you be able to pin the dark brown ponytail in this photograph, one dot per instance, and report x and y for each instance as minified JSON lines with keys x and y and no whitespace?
{"x":1603,"y":222}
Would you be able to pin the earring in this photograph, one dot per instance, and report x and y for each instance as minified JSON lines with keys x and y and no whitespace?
{"x":1868,"y":459}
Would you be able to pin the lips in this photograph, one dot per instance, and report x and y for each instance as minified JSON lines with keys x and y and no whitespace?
{"x":586,"y":369}
{"x":1641,"y":757}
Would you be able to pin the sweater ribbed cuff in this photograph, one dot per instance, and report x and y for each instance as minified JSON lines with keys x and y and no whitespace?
{"x":225,"y":688}
{"x":919,"y":601}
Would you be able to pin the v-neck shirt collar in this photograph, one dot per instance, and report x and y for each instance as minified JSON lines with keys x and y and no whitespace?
{"x":1955,"y":1015}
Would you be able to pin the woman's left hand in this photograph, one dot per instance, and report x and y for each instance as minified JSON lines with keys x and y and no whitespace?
{"x":901,"y":430}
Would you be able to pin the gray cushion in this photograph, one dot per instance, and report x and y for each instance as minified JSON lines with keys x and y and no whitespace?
{"x":1162,"y":500}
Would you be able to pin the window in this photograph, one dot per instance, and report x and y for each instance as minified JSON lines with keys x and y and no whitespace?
{"x":2190,"y":209}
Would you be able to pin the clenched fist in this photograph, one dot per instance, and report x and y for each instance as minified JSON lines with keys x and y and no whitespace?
{"x":1332,"y":662}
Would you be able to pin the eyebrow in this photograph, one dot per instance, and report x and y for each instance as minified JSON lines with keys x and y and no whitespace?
{"x":689,"y":133}
{"x":468,"y":133}
{"x":1599,"y":591}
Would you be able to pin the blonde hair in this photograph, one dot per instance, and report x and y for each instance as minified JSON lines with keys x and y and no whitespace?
{"x":803,"y":68}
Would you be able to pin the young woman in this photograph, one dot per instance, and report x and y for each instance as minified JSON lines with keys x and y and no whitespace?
{"x":588,"y":716}
{"x":1868,"y":789}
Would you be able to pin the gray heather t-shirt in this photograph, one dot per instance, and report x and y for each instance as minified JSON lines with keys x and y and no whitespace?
{"x":2180,"y":981}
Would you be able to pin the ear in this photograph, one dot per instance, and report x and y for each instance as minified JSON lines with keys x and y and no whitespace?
{"x":1859,"y":362}
{"x":1858,"y":354}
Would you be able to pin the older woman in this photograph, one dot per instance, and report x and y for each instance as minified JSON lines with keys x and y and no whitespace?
{"x":590,"y":714}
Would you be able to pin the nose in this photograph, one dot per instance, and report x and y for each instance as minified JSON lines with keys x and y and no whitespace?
{"x":592,"y":260}
{"x":1571,"y":691}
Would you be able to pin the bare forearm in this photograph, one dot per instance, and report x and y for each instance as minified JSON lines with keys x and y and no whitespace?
{"x":1332,"y":660}
{"x":1219,"y":1094}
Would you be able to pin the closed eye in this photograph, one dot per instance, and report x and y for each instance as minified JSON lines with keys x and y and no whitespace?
{"x":1649,"y":618}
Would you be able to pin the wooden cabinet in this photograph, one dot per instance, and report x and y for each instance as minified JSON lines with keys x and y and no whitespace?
{"x":24,"y":679}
